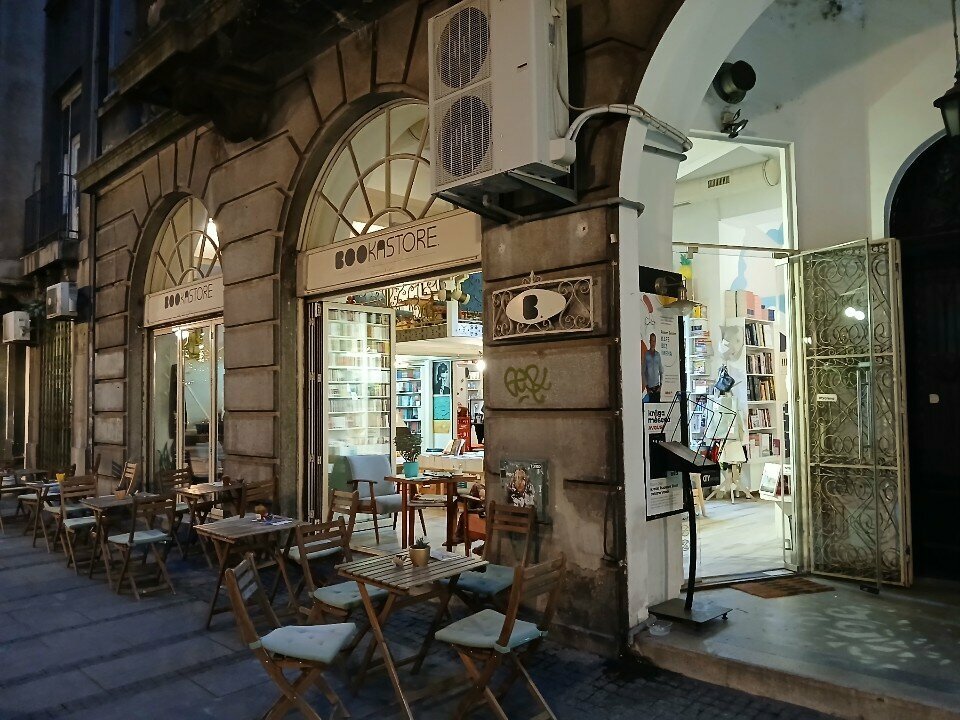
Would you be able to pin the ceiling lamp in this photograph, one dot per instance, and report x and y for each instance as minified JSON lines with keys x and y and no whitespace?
{"x":949,"y":103}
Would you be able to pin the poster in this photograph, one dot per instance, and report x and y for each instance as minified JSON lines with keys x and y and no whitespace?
{"x":659,"y":350}
{"x":441,"y":415}
{"x":524,"y":484}
{"x":664,"y":488}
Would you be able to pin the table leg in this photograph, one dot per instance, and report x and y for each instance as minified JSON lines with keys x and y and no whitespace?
{"x":380,"y":641}
{"x":451,"y":514}
{"x":404,"y":520}
{"x":223,"y":552}
{"x":104,"y":546}
{"x":281,"y":559}
{"x":446,"y":593}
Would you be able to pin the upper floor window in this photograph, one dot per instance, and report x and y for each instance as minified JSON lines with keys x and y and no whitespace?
{"x":378,"y":177}
{"x":187,"y":249}
{"x":70,"y":157}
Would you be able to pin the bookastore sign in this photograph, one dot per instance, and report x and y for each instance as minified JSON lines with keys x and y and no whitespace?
{"x":186,"y":301}
{"x":429,"y":245}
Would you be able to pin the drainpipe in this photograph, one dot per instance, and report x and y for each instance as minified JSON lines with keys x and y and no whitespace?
{"x":92,"y":151}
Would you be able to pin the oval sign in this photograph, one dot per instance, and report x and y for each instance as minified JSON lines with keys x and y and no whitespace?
{"x":535,"y":306}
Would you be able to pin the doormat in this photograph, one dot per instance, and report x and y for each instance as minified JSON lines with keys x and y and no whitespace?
{"x":782,"y":587}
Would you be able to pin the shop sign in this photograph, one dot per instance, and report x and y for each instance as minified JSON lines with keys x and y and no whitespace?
{"x":534,"y":306}
{"x":185,"y":301}
{"x":538,"y":307}
{"x":426,"y":246}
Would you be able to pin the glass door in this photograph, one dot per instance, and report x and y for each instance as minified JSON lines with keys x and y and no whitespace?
{"x":358,"y":387}
{"x":851,"y":386}
{"x":186,"y":404}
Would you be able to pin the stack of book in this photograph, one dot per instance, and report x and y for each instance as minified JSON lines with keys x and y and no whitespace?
{"x":760,"y":363}
{"x":758,"y":334}
{"x":759,"y":418}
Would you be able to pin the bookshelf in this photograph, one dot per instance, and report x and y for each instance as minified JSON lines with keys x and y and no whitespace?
{"x":699,"y":349}
{"x":410,"y":396}
{"x":760,"y":367}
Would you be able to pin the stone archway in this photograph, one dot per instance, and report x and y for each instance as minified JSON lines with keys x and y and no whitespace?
{"x":672,"y":89}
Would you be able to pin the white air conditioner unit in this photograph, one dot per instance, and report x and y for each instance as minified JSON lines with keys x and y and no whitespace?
{"x":62,"y":300}
{"x":16,"y":327}
{"x":498,"y":79}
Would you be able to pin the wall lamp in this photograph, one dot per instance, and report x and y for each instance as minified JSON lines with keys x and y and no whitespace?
{"x":675,"y":289}
{"x":949,"y":103}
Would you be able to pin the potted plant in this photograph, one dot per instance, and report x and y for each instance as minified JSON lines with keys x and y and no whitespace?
{"x":409,"y":445}
{"x":420,"y":553}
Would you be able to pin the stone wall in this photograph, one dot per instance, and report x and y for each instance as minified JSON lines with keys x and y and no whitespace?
{"x":257,"y":192}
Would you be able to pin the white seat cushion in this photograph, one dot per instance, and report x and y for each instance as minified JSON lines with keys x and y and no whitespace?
{"x":295,"y":553}
{"x":482,"y":630}
{"x":346,"y":596}
{"x":76,"y":523}
{"x":318,"y":643}
{"x":389,"y":503}
{"x":140,"y":537}
{"x":495,"y":579}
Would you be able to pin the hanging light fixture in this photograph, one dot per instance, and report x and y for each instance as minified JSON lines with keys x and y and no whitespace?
{"x":949,"y":103}
{"x":667,"y":287}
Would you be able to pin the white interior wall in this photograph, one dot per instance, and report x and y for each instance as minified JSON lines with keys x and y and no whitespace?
{"x":854,"y":93}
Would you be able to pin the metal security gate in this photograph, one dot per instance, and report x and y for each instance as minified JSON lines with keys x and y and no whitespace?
{"x":56,"y":393}
{"x":313,"y":421}
{"x":855,"y":486}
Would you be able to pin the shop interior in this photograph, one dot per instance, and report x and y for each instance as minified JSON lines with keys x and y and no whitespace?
{"x":731,"y":233}
{"x":406,"y":368}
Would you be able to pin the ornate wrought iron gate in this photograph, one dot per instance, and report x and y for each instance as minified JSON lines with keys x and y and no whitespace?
{"x":56,"y":393}
{"x":854,"y":455}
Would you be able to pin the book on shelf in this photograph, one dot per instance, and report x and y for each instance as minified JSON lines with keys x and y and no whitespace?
{"x":759,"y":418}
{"x":760,"y":363}
{"x":760,"y":389}
{"x":760,"y":445}
{"x":698,"y":367}
{"x":759,"y":334}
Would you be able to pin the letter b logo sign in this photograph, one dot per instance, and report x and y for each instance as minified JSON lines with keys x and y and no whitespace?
{"x":530,"y":311}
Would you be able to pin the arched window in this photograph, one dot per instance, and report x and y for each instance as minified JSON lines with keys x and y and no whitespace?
{"x":187,"y":250}
{"x":378,"y":177}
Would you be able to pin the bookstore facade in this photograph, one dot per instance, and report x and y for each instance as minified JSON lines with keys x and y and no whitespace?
{"x":766,"y":220}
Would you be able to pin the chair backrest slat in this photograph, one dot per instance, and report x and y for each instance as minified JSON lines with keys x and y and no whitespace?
{"x":128,"y":478}
{"x":503,"y":521}
{"x":169,"y":481}
{"x":529,"y":583}
{"x":77,"y":487}
{"x":257,"y":492}
{"x":151,"y":513}
{"x":345,"y":504}
{"x":318,"y":537}
{"x":243,"y":583}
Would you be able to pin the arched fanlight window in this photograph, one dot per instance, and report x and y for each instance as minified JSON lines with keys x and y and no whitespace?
{"x":187,"y":249}
{"x":378,"y":177}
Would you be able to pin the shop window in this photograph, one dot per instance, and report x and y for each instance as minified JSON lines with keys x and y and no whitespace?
{"x":378,"y":177}
{"x":188,"y":249}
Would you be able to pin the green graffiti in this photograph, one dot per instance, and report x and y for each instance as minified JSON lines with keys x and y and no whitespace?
{"x":528,"y":382}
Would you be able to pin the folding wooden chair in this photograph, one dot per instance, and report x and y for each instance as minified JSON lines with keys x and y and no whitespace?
{"x":72,"y":517}
{"x":344,"y":504}
{"x":259,"y":492}
{"x":150,"y":530}
{"x":478,"y":589}
{"x":129,"y":479}
{"x":329,"y":601}
{"x":308,"y":648}
{"x":487,"y":639}
{"x":168,"y":482}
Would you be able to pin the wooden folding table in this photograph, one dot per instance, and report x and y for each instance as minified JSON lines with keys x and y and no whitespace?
{"x":407,"y":585}
{"x":229,"y":534}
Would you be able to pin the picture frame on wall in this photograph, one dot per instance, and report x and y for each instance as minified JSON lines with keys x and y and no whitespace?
{"x":441,"y":377}
{"x":525,"y":484}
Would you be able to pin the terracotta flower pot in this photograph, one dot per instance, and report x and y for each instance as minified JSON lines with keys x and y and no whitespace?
{"x":420,"y":556}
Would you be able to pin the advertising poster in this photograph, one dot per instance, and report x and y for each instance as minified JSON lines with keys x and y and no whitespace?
{"x":524,"y":484}
{"x":664,"y":488}
{"x":659,"y":350}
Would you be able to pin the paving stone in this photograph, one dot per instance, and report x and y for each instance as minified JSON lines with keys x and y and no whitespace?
{"x":100,"y":656}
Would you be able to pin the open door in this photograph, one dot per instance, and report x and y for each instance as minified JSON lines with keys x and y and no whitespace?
{"x":350,"y":391}
{"x":853,"y":458}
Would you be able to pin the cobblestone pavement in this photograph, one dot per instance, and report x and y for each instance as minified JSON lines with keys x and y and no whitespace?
{"x":71,"y":649}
